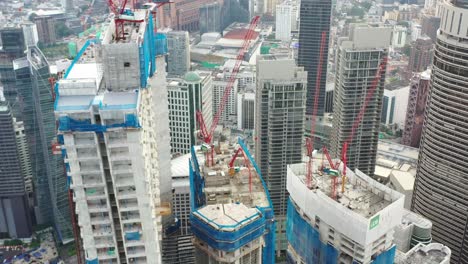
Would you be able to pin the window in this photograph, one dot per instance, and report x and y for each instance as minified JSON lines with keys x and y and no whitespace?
{"x":126,"y":64}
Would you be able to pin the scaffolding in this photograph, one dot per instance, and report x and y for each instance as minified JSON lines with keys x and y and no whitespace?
{"x":261,"y":224}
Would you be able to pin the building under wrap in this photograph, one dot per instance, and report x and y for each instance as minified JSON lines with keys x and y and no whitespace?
{"x":355,"y":227}
{"x":232,"y":217}
{"x":113,"y":131}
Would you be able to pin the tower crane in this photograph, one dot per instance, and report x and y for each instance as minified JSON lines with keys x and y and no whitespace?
{"x":207,"y":134}
{"x":311,"y":139}
{"x":357,"y":122}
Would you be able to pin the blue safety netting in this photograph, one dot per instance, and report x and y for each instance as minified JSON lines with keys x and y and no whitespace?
{"x":171,"y":229}
{"x":197,"y":183}
{"x":132,"y":235}
{"x":224,"y":240}
{"x":270,"y":237}
{"x":306,"y":240}
{"x":161,"y":44}
{"x":386,"y":257}
{"x":69,"y":124}
{"x":150,"y":29}
{"x":92,"y":261}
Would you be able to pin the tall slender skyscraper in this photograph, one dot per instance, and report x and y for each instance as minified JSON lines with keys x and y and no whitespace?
{"x":12,"y":48}
{"x":36,"y":103}
{"x":314,"y":17}
{"x":279,"y":128}
{"x":440,"y":191}
{"x":15,"y":218}
{"x":358,"y":60}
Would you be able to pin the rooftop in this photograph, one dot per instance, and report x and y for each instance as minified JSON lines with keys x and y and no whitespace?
{"x":361,"y":195}
{"x":239,"y":185}
{"x":433,"y":253}
{"x":228,"y":217}
{"x":133,"y":32}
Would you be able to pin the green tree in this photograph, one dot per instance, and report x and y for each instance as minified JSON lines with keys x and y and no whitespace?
{"x":357,"y":11}
{"x":366,"y":5}
{"x":62,"y":30}
{"x":406,"y":50}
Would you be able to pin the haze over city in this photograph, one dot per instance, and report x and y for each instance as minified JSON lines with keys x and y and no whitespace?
{"x":233,"y":131}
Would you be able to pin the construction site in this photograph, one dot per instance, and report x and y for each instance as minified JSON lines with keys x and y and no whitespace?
{"x":107,"y":106}
{"x":232,"y":216}
{"x":343,"y":219}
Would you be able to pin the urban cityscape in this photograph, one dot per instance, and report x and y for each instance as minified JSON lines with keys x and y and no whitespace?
{"x":234,"y":131}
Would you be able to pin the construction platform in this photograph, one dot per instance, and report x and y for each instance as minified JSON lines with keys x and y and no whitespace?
{"x":232,"y":215}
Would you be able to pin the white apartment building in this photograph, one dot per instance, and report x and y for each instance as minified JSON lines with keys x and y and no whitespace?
{"x":394,"y":106}
{"x":351,"y":221}
{"x":286,"y":20}
{"x":113,"y":128}
{"x":246,"y":110}
{"x":229,"y":115}
{"x":185,"y":97}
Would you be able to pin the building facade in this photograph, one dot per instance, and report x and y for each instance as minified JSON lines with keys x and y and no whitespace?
{"x":182,"y":14}
{"x":415,"y":113}
{"x":394,"y":105}
{"x":319,"y":218}
{"x":286,"y":20}
{"x":429,"y":26}
{"x":246,"y":111}
{"x":178,"y":57}
{"x":232,"y":218}
{"x":399,"y":37}
{"x":177,"y":244}
{"x":186,"y":97}
{"x":229,"y":115}
{"x":314,"y":19}
{"x":114,"y":138}
{"x":36,"y":103}
{"x":443,"y":152}
{"x":12,"y":48}
{"x":421,"y":55}
{"x":210,"y":18}
{"x":46,"y":29}
{"x":358,"y":62}
{"x":279,"y":127}
{"x":15,"y":213}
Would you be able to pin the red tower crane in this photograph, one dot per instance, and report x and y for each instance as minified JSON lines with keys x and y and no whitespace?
{"x":311,"y":139}
{"x":357,"y":122}
{"x":207,"y":134}
{"x":121,"y":15}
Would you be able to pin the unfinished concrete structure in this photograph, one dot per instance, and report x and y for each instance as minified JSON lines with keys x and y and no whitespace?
{"x":350,"y":222}
{"x":232,"y":216}
{"x":113,"y":131}
{"x":279,"y":127}
{"x":358,"y":60}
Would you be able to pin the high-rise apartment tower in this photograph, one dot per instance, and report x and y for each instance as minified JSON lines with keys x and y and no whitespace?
{"x":279,"y":127}
{"x":358,"y":60}
{"x":113,"y":130}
